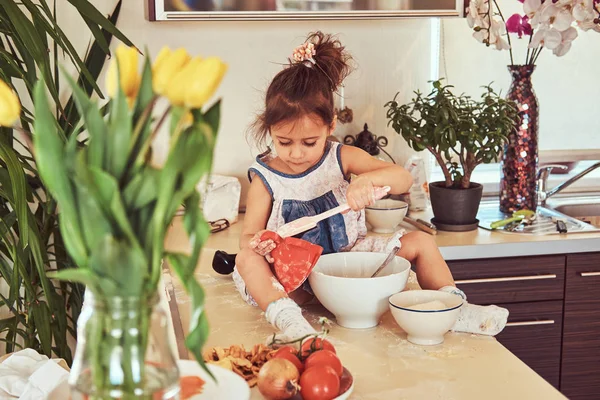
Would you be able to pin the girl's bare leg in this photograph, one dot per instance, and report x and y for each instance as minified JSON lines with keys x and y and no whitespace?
{"x":421,"y":250}
{"x":281,"y":311}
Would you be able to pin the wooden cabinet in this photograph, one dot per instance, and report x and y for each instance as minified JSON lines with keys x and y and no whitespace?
{"x":532,"y":289}
{"x":580,"y":375}
{"x":534,"y":334}
{"x":554,"y":321}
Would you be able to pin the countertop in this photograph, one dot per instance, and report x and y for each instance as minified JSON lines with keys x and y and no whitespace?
{"x":384,"y":364}
{"x":480,"y":243}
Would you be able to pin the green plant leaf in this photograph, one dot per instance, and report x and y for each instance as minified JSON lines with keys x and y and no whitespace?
{"x":5,"y":323}
{"x":33,"y":43}
{"x":198,"y":329}
{"x":94,"y":124}
{"x":118,"y":143}
{"x":39,"y":260}
{"x":110,"y":195}
{"x":54,"y":31}
{"x":141,"y":140}
{"x":51,"y":166}
{"x":123,"y":263}
{"x":90,"y":71}
{"x":97,"y":33}
{"x":41,"y":316}
{"x":213,"y":116}
{"x":196,"y":156}
{"x":19,"y":193}
{"x":86,"y":277}
{"x":142,"y":189}
{"x":87,"y":9}
{"x":95,"y":223}
{"x":8,"y":220}
{"x":145,"y":94}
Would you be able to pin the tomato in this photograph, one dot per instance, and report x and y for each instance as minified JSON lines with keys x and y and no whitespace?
{"x":319,"y":383}
{"x":325,"y":357}
{"x":291,"y":354}
{"x":312,"y":344}
{"x":287,"y":349}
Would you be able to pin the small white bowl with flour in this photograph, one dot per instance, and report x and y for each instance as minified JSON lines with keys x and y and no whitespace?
{"x":425,"y":315}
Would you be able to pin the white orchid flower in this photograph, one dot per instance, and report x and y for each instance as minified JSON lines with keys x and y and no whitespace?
{"x":493,"y":35}
{"x":502,"y":44}
{"x":545,"y":36}
{"x":559,"y":17}
{"x":532,"y":9}
{"x":587,"y":25}
{"x":584,"y":14}
{"x":583,"y":10}
{"x":565,"y":45}
{"x":477,"y":9}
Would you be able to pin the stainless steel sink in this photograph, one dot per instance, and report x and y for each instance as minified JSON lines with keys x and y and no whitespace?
{"x":545,"y":221}
{"x":585,"y":209}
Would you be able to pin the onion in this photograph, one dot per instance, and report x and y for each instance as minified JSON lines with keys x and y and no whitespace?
{"x":278,"y":379}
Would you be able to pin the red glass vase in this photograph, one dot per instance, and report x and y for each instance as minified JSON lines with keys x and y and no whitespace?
{"x":520,"y":157}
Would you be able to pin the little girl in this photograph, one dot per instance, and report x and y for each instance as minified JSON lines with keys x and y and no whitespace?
{"x":310,"y":175}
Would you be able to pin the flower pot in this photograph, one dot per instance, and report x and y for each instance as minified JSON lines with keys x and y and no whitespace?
{"x":455,"y":209}
{"x":123,"y":351}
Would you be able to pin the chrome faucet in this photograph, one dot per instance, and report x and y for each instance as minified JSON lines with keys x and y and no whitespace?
{"x":542,"y":181}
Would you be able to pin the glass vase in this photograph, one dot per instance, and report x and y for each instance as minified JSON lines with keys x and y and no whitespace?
{"x":520,"y":157}
{"x":123,"y":351}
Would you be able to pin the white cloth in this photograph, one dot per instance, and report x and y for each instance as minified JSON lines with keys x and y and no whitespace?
{"x":28,"y":375}
{"x":481,"y":320}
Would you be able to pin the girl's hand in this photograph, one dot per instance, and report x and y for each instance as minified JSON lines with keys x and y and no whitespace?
{"x":360,"y":193}
{"x":262,"y":247}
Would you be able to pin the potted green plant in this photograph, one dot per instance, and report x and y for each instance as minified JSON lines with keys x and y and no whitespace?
{"x":41,"y":312}
{"x":461,"y":133}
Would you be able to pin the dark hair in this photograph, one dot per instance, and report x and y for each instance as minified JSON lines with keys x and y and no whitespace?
{"x":304,"y":88}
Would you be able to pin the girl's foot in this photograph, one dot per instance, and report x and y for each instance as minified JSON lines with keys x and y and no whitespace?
{"x":285,"y":315}
{"x":482,"y":320}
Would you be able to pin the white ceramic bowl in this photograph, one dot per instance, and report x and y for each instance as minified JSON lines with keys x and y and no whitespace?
{"x":385,"y":215}
{"x":425,"y":327}
{"x":342,"y":282}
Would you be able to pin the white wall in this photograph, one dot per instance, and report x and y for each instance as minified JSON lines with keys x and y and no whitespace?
{"x":567,"y":87}
{"x":391,"y":56}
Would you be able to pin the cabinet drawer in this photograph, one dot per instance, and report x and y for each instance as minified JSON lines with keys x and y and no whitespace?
{"x":534,"y":334}
{"x":510,"y":280}
{"x":581,"y":336}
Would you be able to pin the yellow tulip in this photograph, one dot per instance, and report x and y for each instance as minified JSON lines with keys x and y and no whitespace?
{"x":206,"y":78}
{"x":180,"y":83}
{"x":127,"y":58}
{"x":163,"y":54}
{"x":10,"y":108}
{"x":166,"y":66}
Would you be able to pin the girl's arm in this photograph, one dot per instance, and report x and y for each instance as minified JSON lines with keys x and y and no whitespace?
{"x":371,"y":172}
{"x":379,"y":173}
{"x":258,"y":209}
